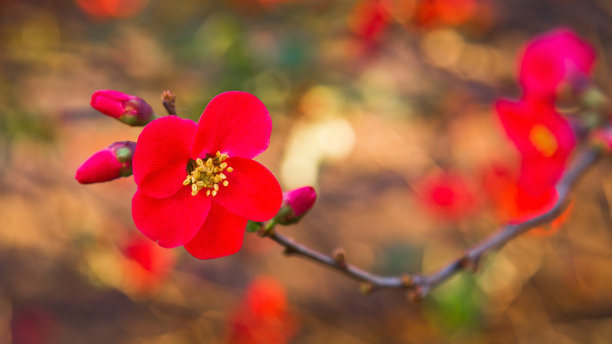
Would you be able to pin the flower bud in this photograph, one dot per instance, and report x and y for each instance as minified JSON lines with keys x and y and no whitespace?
{"x":110,"y":163}
{"x":296,"y":204}
{"x":129,"y":109}
{"x":602,"y":138}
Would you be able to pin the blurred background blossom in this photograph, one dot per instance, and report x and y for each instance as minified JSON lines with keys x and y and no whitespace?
{"x":372,"y":101}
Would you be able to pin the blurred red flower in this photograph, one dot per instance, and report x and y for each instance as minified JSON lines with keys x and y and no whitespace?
{"x":147,"y":264}
{"x":446,"y":195}
{"x":103,"y":9}
{"x":445,"y":12}
{"x":263,"y":316}
{"x":514,"y":204}
{"x":368,"y":20}
{"x":33,"y":326}
{"x":197,"y":184}
{"x":544,"y":139}
{"x":552,"y":58}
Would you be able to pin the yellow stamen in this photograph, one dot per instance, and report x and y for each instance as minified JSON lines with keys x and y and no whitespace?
{"x":208,"y":174}
{"x":543,"y":140}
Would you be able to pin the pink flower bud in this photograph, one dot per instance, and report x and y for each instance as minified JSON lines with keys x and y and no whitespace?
{"x":129,"y":109}
{"x":296,"y":204}
{"x":110,"y":163}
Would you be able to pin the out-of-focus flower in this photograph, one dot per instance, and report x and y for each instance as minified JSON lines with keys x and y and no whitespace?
{"x":296,"y":203}
{"x":445,"y":12}
{"x":146,"y":264}
{"x":104,"y":9}
{"x":272,"y":3}
{"x":107,"y":164}
{"x":368,"y":21}
{"x":553,"y":58}
{"x":446,"y":195}
{"x":514,"y":204}
{"x":33,"y":326}
{"x":126,"y":108}
{"x":263,"y":316}
{"x":544,"y":139}
{"x":197,"y":184}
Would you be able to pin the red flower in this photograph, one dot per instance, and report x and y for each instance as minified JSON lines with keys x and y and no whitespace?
{"x":445,"y":12}
{"x":368,"y":20}
{"x":34,"y":326}
{"x":103,"y":9}
{"x":553,"y":57}
{"x":543,"y":138}
{"x":197,"y":184}
{"x":446,"y":195}
{"x":263,"y":317}
{"x":147,"y":265}
{"x":514,"y":204}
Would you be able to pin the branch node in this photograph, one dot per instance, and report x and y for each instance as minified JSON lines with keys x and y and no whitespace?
{"x":366,"y":288}
{"x":339,"y":256}
{"x":407,"y":281}
{"x":468,"y":263}
{"x":289,"y":251}
{"x":416,"y":295}
{"x":267,"y":230}
{"x":169,"y":100}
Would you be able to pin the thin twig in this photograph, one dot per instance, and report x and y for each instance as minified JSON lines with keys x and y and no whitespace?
{"x":169,"y":101}
{"x":422,"y":284}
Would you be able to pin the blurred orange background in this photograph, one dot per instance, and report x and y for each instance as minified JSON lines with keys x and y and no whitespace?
{"x":370,"y":100}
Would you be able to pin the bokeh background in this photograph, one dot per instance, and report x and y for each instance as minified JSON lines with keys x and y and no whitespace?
{"x":373,"y":102}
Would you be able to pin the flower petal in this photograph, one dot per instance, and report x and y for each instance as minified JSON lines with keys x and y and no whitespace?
{"x":552,"y":57}
{"x":236,"y":123}
{"x":253,"y":191}
{"x":161,"y":156}
{"x":171,"y":221}
{"x":516,"y":122}
{"x":220,"y":236}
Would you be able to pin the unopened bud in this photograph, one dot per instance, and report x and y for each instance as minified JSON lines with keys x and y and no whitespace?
{"x":129,"y":109}
{"x":107,"y":164}
{"x":602,"y":138}
{"x":296,"y":204}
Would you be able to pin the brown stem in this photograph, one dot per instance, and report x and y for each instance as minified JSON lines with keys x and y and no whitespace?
{"x":422,"y":284}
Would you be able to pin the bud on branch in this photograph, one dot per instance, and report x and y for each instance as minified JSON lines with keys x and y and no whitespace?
{"x":296,"y":203}
{"x":107,"y":164}
{"x":128,"y":109}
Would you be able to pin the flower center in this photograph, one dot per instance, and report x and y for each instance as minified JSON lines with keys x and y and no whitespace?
{"x":543,"y":140}
{"x":207,"y":174}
